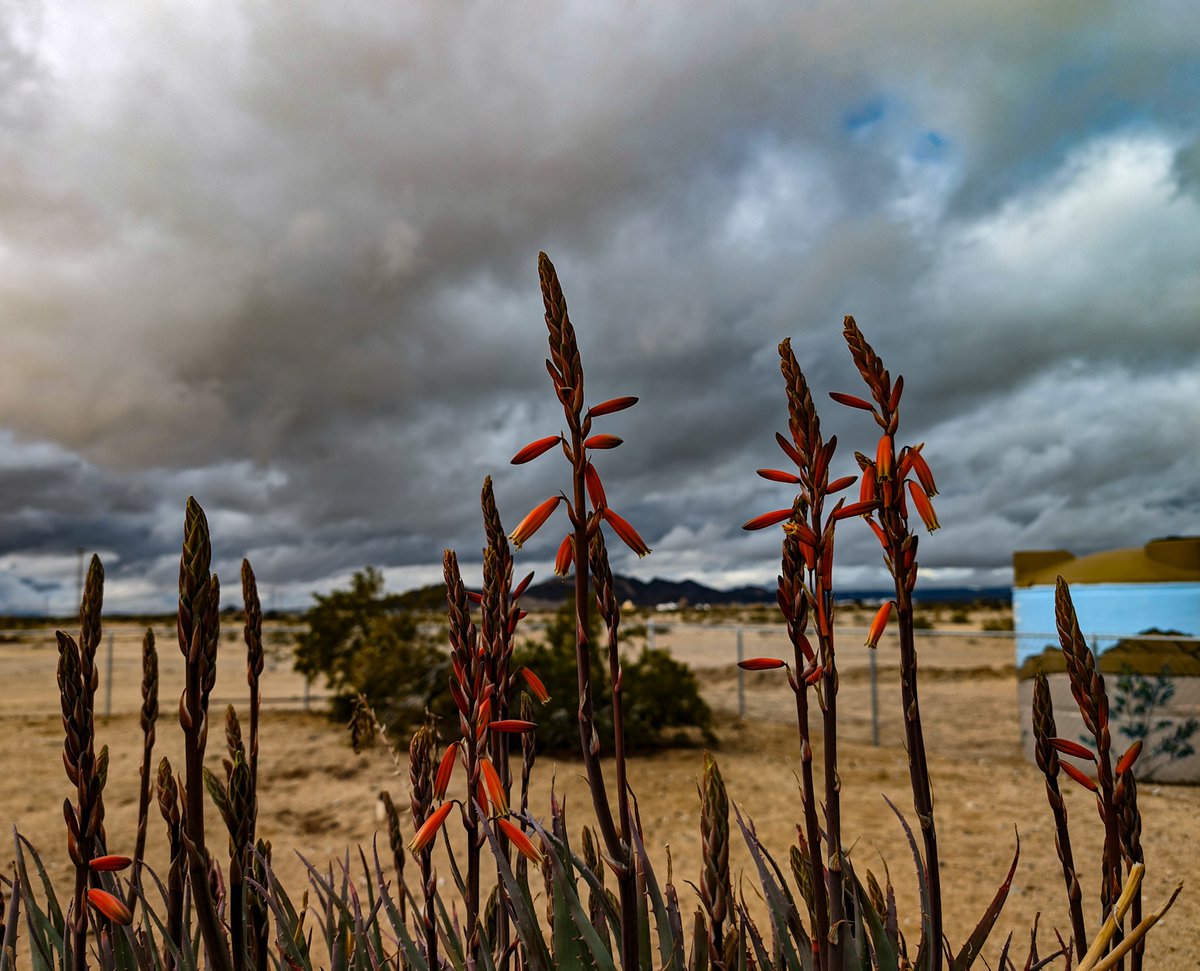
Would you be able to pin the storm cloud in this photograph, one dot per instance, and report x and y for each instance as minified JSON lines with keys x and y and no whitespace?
{"x":282,"y":256}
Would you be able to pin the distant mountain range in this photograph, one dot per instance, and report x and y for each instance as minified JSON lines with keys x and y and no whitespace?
{"x":650,"y":593}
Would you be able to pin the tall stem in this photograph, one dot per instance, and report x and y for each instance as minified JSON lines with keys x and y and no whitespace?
{"x":812,"y":828}
{"x":918,"y":767}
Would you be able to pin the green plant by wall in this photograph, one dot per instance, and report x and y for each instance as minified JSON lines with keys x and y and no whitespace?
{"x":661,"y":695}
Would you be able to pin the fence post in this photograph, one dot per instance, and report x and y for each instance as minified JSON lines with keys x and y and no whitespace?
{"x":871,"y":652}
{"x":650,"y":633}
{"x":307,"y":689}
{"x":108,"y":679}
{"x":741,"y":675}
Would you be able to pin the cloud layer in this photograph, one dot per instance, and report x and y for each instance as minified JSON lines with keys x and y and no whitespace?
{"x":282,"y":256}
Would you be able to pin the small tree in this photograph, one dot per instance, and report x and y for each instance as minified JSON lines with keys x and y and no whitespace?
{"x":661,"y":695}
{"x":363,"y":641}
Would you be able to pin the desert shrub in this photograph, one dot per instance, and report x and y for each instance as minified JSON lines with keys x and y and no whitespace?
{"x":998,"y":623}
{"x":362,"y":642}
{"x":661,"y":696}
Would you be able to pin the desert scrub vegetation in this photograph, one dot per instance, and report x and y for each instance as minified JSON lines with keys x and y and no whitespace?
{"x":518,"y":890}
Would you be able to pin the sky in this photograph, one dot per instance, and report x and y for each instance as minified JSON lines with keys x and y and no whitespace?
{"x":282,"y":256}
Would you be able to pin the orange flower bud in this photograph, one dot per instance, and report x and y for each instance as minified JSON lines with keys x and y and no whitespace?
{"x":595,"y":488}
{"x":629,"y":535}
{"x":565,"y":556}
{"x":924,"y":475}
{"x":495,"y":788}
{"x":878,"y":624}
{"x":535,"y":685}
{"x":521,"y":587}
{"x":1125,"y":762}
{"x":602,"y":441}
{"x":924,"y":506}
{"x":110,"y":864}
{"x":879,"y":533}
{"x":866,"y":488}
{"x":837,"y":485}
{"x":760,"y":664}
{"x":802,"y":531}
{"x":441,"y":781}
{"x":534,"y":521}
{"x":768,"y":519}
{"x":534,"y":449}
{"x":815,"y":675}
{"x":512,"y":726}
{"x":775,"y":475}
{"x":884,"y":458}
{"x":430,"y":827}
{"x":611,"y":405}
{"x":520,"y":841}
{"x":851,"y":401}
{"x":789,"y":450}
{"x":1074,"y":749}
{"x":1077,"y":775}
{"x":110,"y":906}
{"x":856,"y":509}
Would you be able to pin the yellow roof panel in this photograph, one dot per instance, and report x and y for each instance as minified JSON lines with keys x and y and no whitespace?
{"x":1172,"y":560}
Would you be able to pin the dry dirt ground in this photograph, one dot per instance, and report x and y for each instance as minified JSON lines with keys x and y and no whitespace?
{"x":317,"y":798}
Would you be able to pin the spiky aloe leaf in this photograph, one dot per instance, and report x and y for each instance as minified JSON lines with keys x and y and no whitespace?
{"x":412,"y":954}
{"x":922,"y":885}
{"x":777,"y":903}
{"x":565,"y":893}
{"x":885,"y":955}
{"x":670,"y":944}
{"x":970,"y":950}
{"x":289,"y":932}
{"x":46,"y":930}
{"x":524,"y":920}
{"x":183,"y":959}
{"x":754,"y":935}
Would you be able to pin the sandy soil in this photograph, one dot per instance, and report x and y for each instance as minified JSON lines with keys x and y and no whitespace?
{"x":317,"y":798}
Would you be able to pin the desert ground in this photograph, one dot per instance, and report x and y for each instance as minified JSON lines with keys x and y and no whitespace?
{"x":318,"y":799}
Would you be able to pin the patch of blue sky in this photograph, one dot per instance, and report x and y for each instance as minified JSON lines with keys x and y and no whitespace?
{"x":864,"y":116}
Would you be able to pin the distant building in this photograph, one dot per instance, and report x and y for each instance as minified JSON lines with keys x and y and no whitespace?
{"x":1117,"y":594}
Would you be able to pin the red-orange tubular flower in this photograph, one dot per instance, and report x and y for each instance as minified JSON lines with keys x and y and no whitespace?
{"x":923,"y":472}
{"x":512,"y":726}
{"x":884,"y":458}
{"x":878,"y":624}
{"x":924,"y":506}
{"x":565,"y":556}
{"x":856,"y":509}
{"x":1078,"y":775}
{"x":595,"y":488}
{"x":1125,"y":762}
{"x":520,"y":841}
{"x":534,"y":449}
{"x":441,"y":781}
{"x":110,"y":864}
{"x":851,"y":401}
{"x":534,"y":521}
{"x":837,"y":485}
{"x":495,"y":788}
{"x":777,"y":475}
{"x":768,"y":519}
{"x":760,"y":664}
{"x":1074,"y":749}
{"x":430,"y":827}
{"x":611,"y":405}
{"x":603,"y":441}
{"x":629,"y":535}
{"x":110,"y":906}
{"x":535,"y":685}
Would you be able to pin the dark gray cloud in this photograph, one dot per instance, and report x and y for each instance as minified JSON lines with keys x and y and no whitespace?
{"x":282,"y":257}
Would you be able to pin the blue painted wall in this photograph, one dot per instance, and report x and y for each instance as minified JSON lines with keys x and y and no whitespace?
{"x":1105,"y":608}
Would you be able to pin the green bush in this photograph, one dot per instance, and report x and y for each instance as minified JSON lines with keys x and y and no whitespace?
{"x":363,"y":641}
{"x":661,"y":697}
